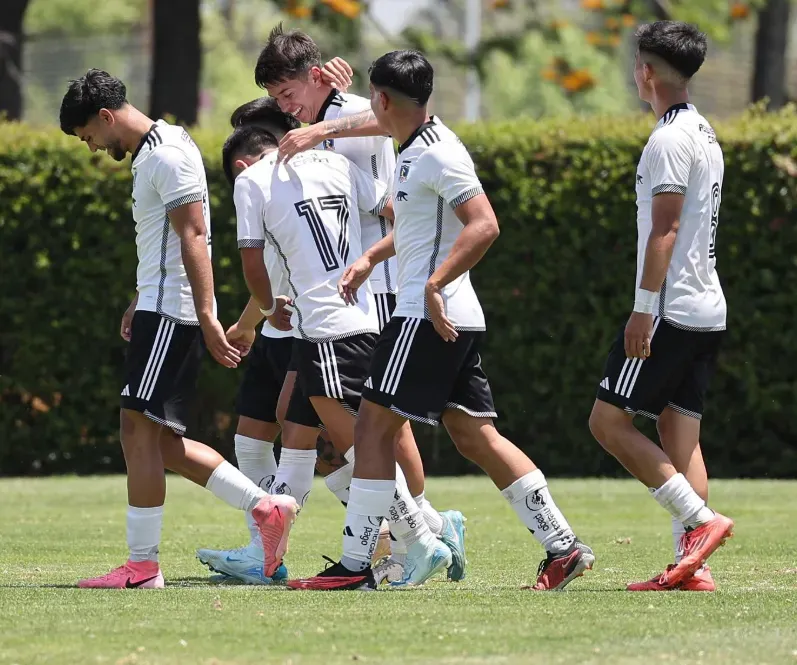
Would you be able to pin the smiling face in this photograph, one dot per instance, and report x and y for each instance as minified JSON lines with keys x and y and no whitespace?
{"x":301,"y":97}
{"x":100,"y":133}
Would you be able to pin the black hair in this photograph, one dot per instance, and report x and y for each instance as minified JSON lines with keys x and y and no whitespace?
{"x":264,"y":112}
{"x":286,"y":56}
{"x":248,"y":140}
{"x":87,"y":95}
{"x":680,"y":45}
{"x":407,"y":72}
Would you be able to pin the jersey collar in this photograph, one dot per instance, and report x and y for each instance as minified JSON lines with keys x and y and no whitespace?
{"x":432,"y":122}
{"x":333,"y":98}
{"x":147,"y":138}
{"x":674,"y":110}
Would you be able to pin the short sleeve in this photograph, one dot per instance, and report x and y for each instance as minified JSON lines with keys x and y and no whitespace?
{"x":449,"y":170}
{"x":669,"y":155}
{"x":175,"y":177}
{"x":372,"y":194}
{"x":248,"y":201}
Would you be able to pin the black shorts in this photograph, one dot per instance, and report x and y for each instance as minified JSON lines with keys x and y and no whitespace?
{"x":329,"y":369}
{"x":385,"y":306}
{"x":161,"y":369}
{"x":675,"y":375}
{"x":417,"y":375}
{"x":266,"y":367}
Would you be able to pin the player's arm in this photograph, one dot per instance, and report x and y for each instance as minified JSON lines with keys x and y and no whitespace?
{"x":250,"y":205}
{"x":453,"y":176}
{"x":181,"y":189}
{"x":352,"y":126}
{"x":669,"y":156}
{"x":355,"y":275}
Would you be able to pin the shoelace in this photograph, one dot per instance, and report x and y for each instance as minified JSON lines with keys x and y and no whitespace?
{"x":330,"y":562}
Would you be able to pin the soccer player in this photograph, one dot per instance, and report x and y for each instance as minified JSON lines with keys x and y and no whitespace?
{"x":169,"y":323}
{"x":426,"y":366}
{"x":308,"y":211}
{"x":660,"y":364}
{"x":289,"y":68}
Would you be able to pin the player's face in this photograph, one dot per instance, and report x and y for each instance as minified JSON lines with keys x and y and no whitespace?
{"x":99,"y":133}
{"x":299,"y":97}
{"x":642,"y":86}
{"x":379,"y":107}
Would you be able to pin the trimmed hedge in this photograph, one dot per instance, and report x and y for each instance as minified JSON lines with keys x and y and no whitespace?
{"x":556,"y":287}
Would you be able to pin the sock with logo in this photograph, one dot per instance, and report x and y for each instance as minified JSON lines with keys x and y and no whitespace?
{"x":678,"y":498}
{"x":338,"y":482}
{"x":532,"y":501}
{"x":233,"y":487}
{"x":433,"y":519}
{"x":369,"y":501}
{"x":405,"y":519}
{"x":256,"y":461}
{"x":295,"y":474}
{"x":144,"y":532}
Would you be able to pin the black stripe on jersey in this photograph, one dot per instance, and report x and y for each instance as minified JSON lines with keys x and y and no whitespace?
{"x":669,"y":188}
{"x":434,"y":132}
{"x":251,"y":243}
{"x":183,"y":200}
{"x":374,"y":167}
{"x":157,"y":136}
{"x":430,"y":136}
{"x":436,"y":249}
{"x":164,"y":241}
{"x":145,"y":140}
{"x":466,"y":196}
{"x":308,"y":210}
{"x":288,"y":275}
{"x":340,"y":204}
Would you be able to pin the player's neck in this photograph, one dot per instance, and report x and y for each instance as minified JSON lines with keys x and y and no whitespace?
{"x":136,"y":124}
{"x":667,"y":98}
{"x":405,"y":127}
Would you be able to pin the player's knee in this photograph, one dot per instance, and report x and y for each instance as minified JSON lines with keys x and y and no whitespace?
{"x":466,"y":433}
{"x":136,"y":430}
{"x":604,"y":423}
{"x":375,"y":426}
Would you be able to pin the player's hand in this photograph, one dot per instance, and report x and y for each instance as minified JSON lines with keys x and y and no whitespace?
{"x":353,"y":278}
{"x":281,"y":318}
{"x":126,"y":330}
{"x":437,"y":312}
{"x":298,"y":140}
{"x":222,"y":351}
{"x":241,"y":338}
{"x":638,"y":332}
{"x":337,"y":73}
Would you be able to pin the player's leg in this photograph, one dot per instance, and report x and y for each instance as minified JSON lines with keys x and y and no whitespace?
{"x":468,"y":417}
{"x":646,"y":386}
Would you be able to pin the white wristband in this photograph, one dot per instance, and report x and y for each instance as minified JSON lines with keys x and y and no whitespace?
{"x":645,"y":301}
{"x":269,"y":312}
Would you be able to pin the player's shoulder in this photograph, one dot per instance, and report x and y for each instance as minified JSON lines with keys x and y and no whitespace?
{"x":439,"y":145}
{"x":680,"y":126}
{"x":351,"y":104}
{"x":166,"y":144}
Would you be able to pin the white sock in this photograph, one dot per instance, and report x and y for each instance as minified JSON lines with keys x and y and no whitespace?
{"x":295,"y":474}
{"x":678,"y":531}
{"x":230,"y":485}
{"x":144,"y":532}
{"x":405,"y":519}
{"x":369,"y":501}
{"x":433,"y":519}
{"x":398,"y":550}
{"x":678,"y":498}
{"x":338,"y":482}
{"x":256,"y":461}
{"x":534,"y":505}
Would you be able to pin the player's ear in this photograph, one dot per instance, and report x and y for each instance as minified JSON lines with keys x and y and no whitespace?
{"x":315,"y":76}
{"x":239,"y":165}
{"x":106,"y":117}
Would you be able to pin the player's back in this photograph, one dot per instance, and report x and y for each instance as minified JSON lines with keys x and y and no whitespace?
{"x":311,"y":218}
{"x":168,"y":172}
{"x":683,"y":157}
{"x":374,"y":155}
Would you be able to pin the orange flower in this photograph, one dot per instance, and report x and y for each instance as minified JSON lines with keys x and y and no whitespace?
{"x":500,"y":4}
{"x":38,"y":404}
{"x":739,"y":10}
{"x":550,"y":74}
{"x":349,"y":8}
{"x":592,"y":5}
{"x":298,"y":11}
{"x":629,"y":20}
{"x":594,"y":38}
{"x":578,"y":81}
{"x":612,"y":23}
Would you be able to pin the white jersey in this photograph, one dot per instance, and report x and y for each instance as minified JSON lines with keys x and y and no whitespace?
{"x":279,"y":286}
{"x":374,"y":155}
{"x":682,"y":156}
{"x":308,"y":211}
{"x":434,"y":175}
{"x":167,"y":173}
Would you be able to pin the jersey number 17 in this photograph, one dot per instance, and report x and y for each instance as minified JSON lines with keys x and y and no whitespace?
{"x":311,"y":210}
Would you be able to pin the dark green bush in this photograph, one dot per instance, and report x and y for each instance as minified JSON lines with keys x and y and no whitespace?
{"x":556,"y":287}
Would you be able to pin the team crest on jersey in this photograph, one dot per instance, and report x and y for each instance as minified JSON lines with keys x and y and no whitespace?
{"x":404,"y":172}
{"x":329,"y":144}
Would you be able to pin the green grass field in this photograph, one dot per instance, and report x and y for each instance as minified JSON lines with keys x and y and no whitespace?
{"x":55,"y":531}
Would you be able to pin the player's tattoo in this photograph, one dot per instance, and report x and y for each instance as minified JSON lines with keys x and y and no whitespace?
{"x":350,"y":122}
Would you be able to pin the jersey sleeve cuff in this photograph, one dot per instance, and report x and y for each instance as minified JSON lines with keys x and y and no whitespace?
{"x":381,"y":205}
{"x":466,"y":196}
{"x":251,"y":243}
{"x":193,"y":197}
{"x":669,"y":188}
